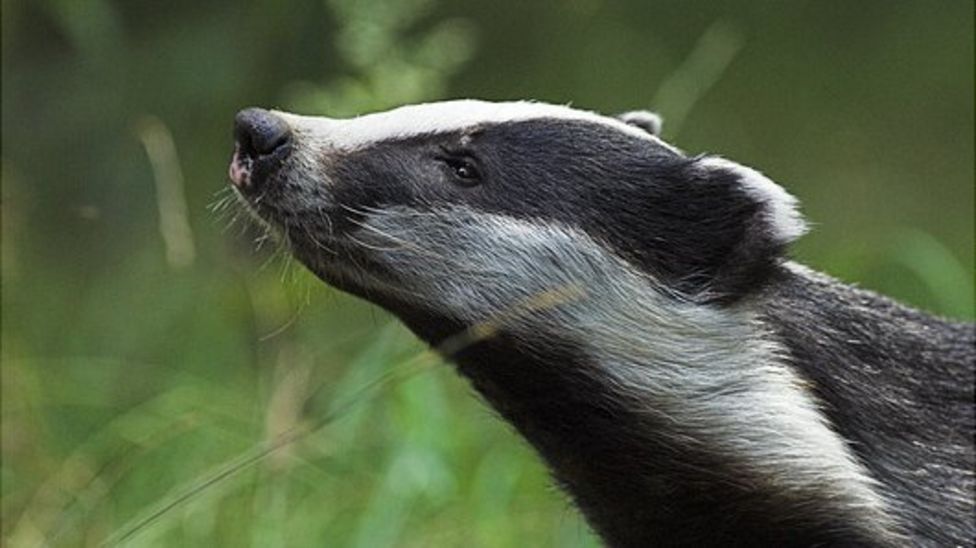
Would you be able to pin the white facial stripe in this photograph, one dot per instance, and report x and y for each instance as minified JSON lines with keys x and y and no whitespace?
{"x":447,"y":116}
{"x":715,"y":371}
{"x":781,"y":213}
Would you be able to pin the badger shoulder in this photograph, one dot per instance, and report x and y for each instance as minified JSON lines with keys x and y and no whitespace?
{"x":798,"y":300}
{"x":896,"y":383}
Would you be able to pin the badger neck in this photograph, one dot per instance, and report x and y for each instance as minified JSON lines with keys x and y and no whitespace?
{"x":666,"y":419}
{"x":671,"y":422}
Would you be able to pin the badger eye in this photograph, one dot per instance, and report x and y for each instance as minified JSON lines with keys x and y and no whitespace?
{"x":465,"y":171}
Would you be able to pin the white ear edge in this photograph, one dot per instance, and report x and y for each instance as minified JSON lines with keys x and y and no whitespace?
{"x":782,"y":213}
{"x":650,"y":122}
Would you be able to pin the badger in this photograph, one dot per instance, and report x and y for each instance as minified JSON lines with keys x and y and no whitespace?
{"x":685,"y":381}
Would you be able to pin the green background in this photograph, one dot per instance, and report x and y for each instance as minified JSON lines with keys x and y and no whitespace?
{"x":140,"y":359}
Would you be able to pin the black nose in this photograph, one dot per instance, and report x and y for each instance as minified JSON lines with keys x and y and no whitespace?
{"x":259,"y":132}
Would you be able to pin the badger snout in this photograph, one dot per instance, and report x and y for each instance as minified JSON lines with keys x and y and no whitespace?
{"x":262,"y":142}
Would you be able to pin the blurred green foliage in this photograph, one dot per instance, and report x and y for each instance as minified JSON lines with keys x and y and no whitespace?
{"x":162,"y":387}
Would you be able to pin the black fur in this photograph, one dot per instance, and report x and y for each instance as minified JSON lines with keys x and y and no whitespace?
{"x":898,"y":384}
{"x":694,"y":228}
{"x":634,"y":474}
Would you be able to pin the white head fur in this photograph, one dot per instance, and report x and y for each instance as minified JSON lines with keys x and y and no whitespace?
{"x":446,"y":116}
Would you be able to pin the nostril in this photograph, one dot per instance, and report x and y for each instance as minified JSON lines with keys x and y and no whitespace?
{"x":259,"y":132}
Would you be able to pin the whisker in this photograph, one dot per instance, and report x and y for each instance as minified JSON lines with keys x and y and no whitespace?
{"x":328,"y":222}
{"x":261,"y":240}
{"x":222,"y":200}
{"x":404,"y":244}
{"x":364,"y":211}
{"x":372,"y":209}
{"x":370,"y":246}
{"x":280,"y":253}
{"x":320,"y":245}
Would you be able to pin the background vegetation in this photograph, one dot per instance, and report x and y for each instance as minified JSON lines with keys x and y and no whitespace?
{"x":162,"y":387}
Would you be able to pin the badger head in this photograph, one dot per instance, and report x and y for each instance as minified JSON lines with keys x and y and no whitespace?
{"x":460,"y":208}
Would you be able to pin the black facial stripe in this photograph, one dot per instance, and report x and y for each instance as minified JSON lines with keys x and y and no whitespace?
{"x":696,"y":231}
{"x":636,"y":195}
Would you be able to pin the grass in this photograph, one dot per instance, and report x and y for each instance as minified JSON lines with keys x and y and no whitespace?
{"x":339,"y":429}
{"x":161,"y":388}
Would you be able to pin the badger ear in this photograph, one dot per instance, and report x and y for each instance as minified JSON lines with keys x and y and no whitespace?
{"x":779,"y":219}
{"x":646,"y":120}
{"x":731,"y":226}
